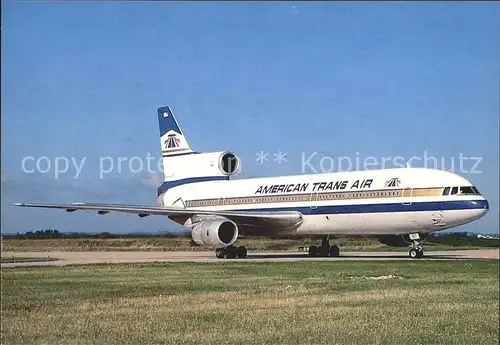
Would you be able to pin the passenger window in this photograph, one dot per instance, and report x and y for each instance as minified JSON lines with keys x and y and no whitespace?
{"x":446,"y":191}
{"x":454,"y":190}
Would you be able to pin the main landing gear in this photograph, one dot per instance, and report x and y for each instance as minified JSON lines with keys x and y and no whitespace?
{"x":416,"y":250}
{"x":325,"y":250}
{"x":231,"y":252}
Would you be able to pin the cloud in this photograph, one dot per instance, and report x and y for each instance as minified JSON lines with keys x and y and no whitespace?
{"x":136,"y":189}
{"x":153,"y":180}
{"x":33,"y":188}
{"x":128,"y":140}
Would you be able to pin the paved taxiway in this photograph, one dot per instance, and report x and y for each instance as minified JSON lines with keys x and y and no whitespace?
{"x":83,"y":258}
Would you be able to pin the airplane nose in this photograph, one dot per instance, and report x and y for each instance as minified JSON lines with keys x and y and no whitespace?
{"x":478,"y":208}
{"x":485,"y":206}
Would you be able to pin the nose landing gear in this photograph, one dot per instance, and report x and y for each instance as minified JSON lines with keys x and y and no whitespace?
{"x":416,"y":250}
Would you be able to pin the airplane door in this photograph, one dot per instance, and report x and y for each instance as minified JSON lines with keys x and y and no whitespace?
{"x":179,"y":203}
{"x":313,"y":201}
{"x":220,"y":202}
{"x":406,"y":193}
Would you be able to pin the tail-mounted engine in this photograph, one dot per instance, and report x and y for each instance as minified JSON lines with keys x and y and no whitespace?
{"x":197,"y":165}
{"x":215,"y":233}
{"x":228,"y":163}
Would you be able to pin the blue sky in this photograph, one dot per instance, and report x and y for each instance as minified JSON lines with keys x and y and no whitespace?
{"x":84,"y":79}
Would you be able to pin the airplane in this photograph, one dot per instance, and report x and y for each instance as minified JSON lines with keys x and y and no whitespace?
{"x":397,"y":206}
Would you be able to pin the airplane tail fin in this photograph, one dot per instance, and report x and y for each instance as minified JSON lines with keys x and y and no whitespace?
{"x":181,"y":165}
{"x":172,"y":139}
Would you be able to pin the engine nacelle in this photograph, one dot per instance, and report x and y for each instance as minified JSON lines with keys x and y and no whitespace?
{"x":200,"y":164}
{"x":228,"y":163}
{"x":215,"y":233}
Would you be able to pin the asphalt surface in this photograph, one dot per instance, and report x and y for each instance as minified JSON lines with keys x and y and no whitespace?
{"x":84,"y":258}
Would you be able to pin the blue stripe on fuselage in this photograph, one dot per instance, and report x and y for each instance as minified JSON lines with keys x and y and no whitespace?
{"x":171,"y":184}
{"x":378,"y":208}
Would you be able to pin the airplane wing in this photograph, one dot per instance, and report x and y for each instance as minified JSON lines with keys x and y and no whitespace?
{"x":280,"y":219}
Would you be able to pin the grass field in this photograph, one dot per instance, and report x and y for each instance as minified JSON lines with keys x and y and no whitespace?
{"x":183,"y":244}
{"x":429,"y":302}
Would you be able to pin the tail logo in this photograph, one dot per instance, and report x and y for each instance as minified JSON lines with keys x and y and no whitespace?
{"x":171,"y":141}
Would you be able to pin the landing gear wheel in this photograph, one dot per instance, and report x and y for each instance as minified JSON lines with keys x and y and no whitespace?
{"x":220,"y":253}
{"x":416,"y":253}
{"x":242,"y":252}
{"x":334,"y":251}
{"x":416,"y":250}
{"x":313,"y":251}
{"x":231,"y":252}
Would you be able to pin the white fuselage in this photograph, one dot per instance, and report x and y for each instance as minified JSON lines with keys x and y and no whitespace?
{"x":371,"y":202}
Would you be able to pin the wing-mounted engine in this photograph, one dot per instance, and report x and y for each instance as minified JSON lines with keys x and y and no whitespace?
{"x":217,"y":232}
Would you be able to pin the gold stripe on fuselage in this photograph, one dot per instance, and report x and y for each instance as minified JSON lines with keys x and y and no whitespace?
{"x":320,"y":196}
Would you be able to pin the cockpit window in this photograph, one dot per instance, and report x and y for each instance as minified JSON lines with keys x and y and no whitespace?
{"x":467,"y":190}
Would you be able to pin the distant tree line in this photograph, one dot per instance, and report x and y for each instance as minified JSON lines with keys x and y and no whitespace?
{"x":53,"y":233}
{"x":450,"y":238}
{"x":463,"y":239}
